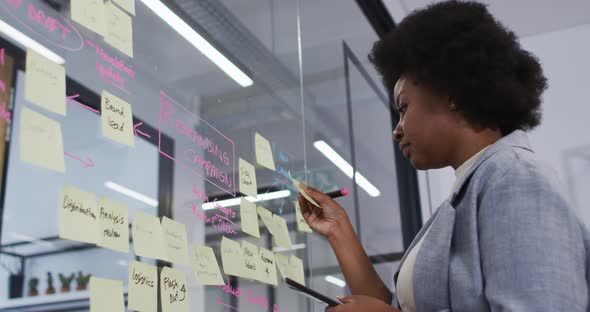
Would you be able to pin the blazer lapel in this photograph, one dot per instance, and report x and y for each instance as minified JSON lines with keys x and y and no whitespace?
{"x":431,"y":271}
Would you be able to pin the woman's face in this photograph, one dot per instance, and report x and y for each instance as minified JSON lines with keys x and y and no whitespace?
{"x":427,"y":125}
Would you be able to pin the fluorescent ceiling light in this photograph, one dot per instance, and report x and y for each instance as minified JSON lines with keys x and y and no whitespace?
{"x":188,"y":33}
{"x":343,"y":165}
{"x":336,"y":281}
{"x":28,"y":42}
{"x":293,"y":247}
{"x":131,"y":193}
{"x":236,"y":201}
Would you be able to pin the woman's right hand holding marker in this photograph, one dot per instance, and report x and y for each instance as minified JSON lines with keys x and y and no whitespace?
{"x":330,"y":220}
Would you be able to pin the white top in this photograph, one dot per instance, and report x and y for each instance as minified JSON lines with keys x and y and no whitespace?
{"x":405,"y":283}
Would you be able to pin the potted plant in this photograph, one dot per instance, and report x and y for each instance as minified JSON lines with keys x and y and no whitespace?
{"x":82,"y":281}
{"x":50,"y":289}
{"x":33,"y":283}
{"x":66,"y":281}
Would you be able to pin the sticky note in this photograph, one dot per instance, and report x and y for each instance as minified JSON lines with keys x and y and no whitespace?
{"x":281,"y":234}
{"x":45,"y":83}
{"x":268,"y":270}
{"x":119,"y":29}
{"x":295,"y":271}
{"x":106,"y":295}
{"x":250,"y":265}
{"x":147,"y":236}
{"x":263,"y":152}
{"x":117,"y":119}
{"x":173,"y":290}
{"x":143,"y":287}
{"x":247,"y":179}
{"x":205,"y":266}
{"x":282,"y":262}
{"x":298,"y":186}
{"x":78,"y":218}
{"x":231,"y":257}
{"x":89,"y":13}
{"x":127,"y":5}
{"x":113,"y":225}
{"x":41,"y":141}
{"x":302,"y":226}
{"x":267,"y":218}
{"x":175,"y":241}
{"x":249,"y":218}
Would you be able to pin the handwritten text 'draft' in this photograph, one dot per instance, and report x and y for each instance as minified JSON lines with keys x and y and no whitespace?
{"x":143,"y":287}
{"x":204,"y":150}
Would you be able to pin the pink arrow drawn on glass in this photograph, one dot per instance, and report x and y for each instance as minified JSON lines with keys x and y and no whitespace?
{"x":87,"y":164}
{"x":136,"y":131}
{"x":71,"y":98}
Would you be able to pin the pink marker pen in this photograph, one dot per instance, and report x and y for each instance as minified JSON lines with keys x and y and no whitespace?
{"x":338,"y":193}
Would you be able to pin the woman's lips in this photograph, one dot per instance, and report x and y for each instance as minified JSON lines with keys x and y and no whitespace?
{"x":406,"y":150}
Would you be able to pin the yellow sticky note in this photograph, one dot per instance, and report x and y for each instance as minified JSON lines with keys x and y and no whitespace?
{"x":78,"y":218}
{"x":302,"y":226}
{"x":106,"y":295}
{"x":298,"y":186}
{"x":281,"y":234}
{"x":45,"y":83}
{"x":205,"y":266}
{"x":263,"y":152}
{"x":282,"y":262}
{"x":251,"y":259}
{"x":249,"y":218}
{"x":117,"y":119}
{"x":41,"y":141}
{"x":127,"y":5}
{"x":267,"y":218}
{"x":119,"y":29}
{"x":268,"y":270}
{"x":247,"y":179}
{"x":295,"y":271}
{"x":143,"y":287}
{"x":147,"y":236}
{"x":113,"y":225}
{"x":175,"y":241}
{"x":89,"y":13}
{"x":173,"y":291}
{"x":231,"y":257}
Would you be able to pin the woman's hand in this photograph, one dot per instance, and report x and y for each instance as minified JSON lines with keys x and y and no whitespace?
{"x":362,"y":303}
{"x":329,"y":219}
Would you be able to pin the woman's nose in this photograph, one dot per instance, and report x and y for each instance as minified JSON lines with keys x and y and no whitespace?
{"x":397,"y":133}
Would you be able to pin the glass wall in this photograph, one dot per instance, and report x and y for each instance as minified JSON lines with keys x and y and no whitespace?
{"x":177,"y":110}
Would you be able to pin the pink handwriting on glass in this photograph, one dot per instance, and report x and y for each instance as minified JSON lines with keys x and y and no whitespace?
{"x":48,"y":24}
{"x":111,"y":69}
{"x":197,"y":137}
{"x":200,"y":194}
{"x":221,"y":223}
{"x":237,"y":292}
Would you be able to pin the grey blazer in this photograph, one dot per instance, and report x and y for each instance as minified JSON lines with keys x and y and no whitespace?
{"x":507,"y":240}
